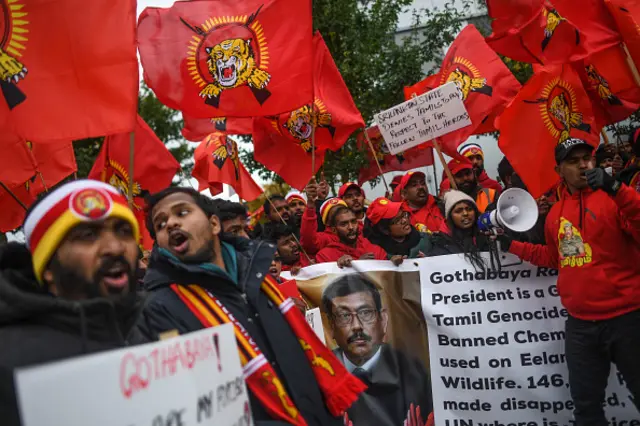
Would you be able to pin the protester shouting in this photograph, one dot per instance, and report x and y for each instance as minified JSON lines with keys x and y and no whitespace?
{"x":593,"y":238}
{"x":71,"y":289}
{"x":297,"y":205}
{"x":351,"y":245}
{"x":467,"y":182}
{"x":197,"y":280}
{"x":388,"y":225}
{"x":426,"y":213}
{"x":288,"y":248}
{"x":397,"y":384}
{"x":461,"y":234}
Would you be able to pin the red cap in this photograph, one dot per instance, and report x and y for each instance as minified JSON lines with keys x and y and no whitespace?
{"x":382,"y":208}
{"x":406,"y":178}
{"x":396,"y":180}
{"x":344,"y":188}
{"x":459,"y":164}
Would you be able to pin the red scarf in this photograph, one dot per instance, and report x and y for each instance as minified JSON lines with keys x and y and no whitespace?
{"x":340,"y":389}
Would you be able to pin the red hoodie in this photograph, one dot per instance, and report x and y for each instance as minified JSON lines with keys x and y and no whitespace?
{"x":313,"y":241}
{"x":594,"y":241}
{"x":428,"y":218}
{"x":483,"y":180}
{"x":337,"y":249}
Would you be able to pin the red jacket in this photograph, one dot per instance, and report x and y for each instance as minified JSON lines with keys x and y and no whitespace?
{"x":335,"y":250}
{"x":594,"y":241}
{"x":483,"y":180}
{"x":311,"y":240}
{"x":427,"y":219}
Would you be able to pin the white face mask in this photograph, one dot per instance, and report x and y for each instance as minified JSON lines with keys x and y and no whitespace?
{"x":609,"y":170}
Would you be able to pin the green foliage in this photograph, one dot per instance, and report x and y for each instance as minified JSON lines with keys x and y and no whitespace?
{"x":164,"y":121}
{"x":376,"y":62}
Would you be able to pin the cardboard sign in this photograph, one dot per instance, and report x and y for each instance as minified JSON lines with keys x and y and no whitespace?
{"x":423,"y":118}
{"x":314,"y":318}
{"x":194,"y":379}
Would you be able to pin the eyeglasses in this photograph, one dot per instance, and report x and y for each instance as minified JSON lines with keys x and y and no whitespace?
{"x":406,"y":217}
{"x":366,"y":316}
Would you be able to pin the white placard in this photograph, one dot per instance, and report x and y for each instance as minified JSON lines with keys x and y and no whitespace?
{"x":314,"y":318}
{"x":194,"y":379}
{"x":423,"y":118}
{"x":496,"y":346}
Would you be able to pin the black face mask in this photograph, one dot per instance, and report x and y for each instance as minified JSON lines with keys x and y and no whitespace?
{"x":73,"y":285}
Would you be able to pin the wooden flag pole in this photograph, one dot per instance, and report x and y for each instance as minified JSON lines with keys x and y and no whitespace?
{"x":435,"y":175}
{"x":285,"y":222}
{"x":13,"y":196}
{"x":375,"y":158}
{"x":452,"y":182}
{"x":313,"y":150}
{"x":632,"y":65}
{"x":131,"y":170}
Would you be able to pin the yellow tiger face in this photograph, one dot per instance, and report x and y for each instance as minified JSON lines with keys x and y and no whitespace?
{"x":560,"y":109}
{"x":231,"y":62}
{"x":300,"y":123}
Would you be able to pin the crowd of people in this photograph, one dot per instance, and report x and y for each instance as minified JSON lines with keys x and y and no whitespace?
{"x":80,"y":284}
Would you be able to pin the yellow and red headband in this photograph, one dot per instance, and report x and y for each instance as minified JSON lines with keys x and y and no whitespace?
{"x":328,"y":205}
{"x":470,"y":149}
{"x":69,"y":205}
{"x":295,"y":195}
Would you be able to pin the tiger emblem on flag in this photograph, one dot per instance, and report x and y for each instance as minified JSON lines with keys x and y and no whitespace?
{"x":302,"y":121}
{"x":14,"y":39}
{"x":232,"y":64}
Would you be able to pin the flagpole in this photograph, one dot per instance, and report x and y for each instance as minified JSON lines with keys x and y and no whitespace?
{"x":632,"y":65}
{"x":452,"y":182}
{"x":13,"y":196}
{"x":313,"y":149}
{"x":285,"y":222}
{"x":435,"y":174}
{"x":131,"y":160}
{"x":375,"y":158}
{"x":604,"y":135}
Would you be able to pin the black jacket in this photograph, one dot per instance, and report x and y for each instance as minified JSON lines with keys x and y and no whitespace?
{"x":36,"y":327}
{"x":394,"y":383}
{"x":262,"y":320}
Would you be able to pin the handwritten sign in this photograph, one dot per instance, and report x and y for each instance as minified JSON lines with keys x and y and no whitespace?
{"x":314,"y":318}
{"x":423,"y":118}
{"x":194,"y":379}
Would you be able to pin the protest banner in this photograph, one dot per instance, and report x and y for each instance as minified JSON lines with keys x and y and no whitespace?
{"x":423,"y":118}
{"x":314,"y":318}
{"x":496,"y":344}
{"x":194,"y":379}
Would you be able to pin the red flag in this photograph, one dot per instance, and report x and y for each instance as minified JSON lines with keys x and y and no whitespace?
{"x":283,"y":143}
{"x":68,"y":71}
{"x":16,"y":162}
{"x":217,"y":162}
{"x":537,"y":31}
{"x":486,"y":84}
{"x":54,"y":163}
{"x":552,"y":107}
{"x":626,"y":14}
{"x":228,"y":57}
{"x":413,"y":158}
{"x":610,"y":85}
{"x":196,"y":129}
{"x":421,"y":87}
{"x":153,"y":170}
{"x":13,"y":213}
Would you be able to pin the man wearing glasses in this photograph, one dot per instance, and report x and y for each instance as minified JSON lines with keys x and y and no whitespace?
{"x":398,"y":386}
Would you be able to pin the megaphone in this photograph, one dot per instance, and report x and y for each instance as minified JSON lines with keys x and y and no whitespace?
{"x":516,"y":210}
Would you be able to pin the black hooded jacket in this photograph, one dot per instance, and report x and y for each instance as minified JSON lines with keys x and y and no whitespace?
{"x":261,"y":318}
{"x":36,"y":327}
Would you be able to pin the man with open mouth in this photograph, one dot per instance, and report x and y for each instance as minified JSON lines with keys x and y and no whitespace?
{"x":70,"y":290}
{"x":199,"y":277}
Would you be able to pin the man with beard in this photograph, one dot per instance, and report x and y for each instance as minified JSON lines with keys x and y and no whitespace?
{"x":466,"y":180}
{"x":71,"y":289}
{"x":196,"y":279}
{"x":287,"y":247}
{"x":353,"y":195}
{"x":426,"y":210}
{"x":233,"y":217}
{"x":297,"y":205}
{"x":473,"y":152}
{"x":350,"y":244}
{"x":276,"y":209}
{"x":396,"y":383}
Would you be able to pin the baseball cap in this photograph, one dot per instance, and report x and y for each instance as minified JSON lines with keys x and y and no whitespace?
{"x":564,"y":149}
{"x":347,"y":186}
{"x":382,"y":208}
{"x":397,"y":179}
{"x":458,"y":164}
{"x":406,"y":178}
